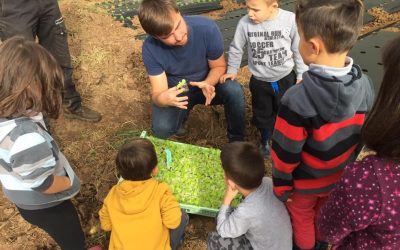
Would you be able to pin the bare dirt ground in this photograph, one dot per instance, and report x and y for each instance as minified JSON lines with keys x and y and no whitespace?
{"x":110,"y":76}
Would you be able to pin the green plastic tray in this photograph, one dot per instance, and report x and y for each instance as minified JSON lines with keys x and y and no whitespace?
{"x":194,"y":174}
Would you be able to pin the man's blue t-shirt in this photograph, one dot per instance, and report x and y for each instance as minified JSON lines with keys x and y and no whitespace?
{"x":189,"y":62}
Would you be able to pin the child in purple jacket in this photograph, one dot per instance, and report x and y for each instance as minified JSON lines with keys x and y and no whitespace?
{"x":363,"y":211}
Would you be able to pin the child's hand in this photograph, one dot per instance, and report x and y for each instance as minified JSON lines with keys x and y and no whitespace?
{"x":230,"y":194}
{"x":224,"y":77}
{"x":299,"y":81}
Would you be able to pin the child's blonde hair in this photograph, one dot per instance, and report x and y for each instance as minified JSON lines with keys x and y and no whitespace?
{"x":31,"y":80}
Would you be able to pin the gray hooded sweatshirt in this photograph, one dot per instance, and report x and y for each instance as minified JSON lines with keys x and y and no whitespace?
{"x":272,"y":47}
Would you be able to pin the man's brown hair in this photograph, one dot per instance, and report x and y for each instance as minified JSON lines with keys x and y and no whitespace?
{"x":381,"y":131}
{"x":243,"y":163}
{"x":155,"y":16}
{"x":136,"y":159}
{"x":31,"y":80}
{"x":336,"y":22}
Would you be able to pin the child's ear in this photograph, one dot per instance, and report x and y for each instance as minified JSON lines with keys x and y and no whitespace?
{"x":316,"y":45}
{"x":154,"y":172}
{"x":231,"y":184}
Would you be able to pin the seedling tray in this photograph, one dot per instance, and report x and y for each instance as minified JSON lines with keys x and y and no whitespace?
{"x":194,"y":174}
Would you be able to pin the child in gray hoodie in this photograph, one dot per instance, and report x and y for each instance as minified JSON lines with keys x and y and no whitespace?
{"x":272,"y":40}
{"x":252,"y":225}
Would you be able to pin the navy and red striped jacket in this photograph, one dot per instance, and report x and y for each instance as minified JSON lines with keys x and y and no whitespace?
{"x":317,"y":131}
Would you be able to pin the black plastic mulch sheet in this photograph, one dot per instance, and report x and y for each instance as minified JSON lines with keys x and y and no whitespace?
{"x":367,"y":54}
{"x":392,"y":7}
{"x":124,"y":10}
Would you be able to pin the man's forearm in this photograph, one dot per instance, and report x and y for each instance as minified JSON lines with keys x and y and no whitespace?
{"x":159,"y":100}
{"x":214,"y":74}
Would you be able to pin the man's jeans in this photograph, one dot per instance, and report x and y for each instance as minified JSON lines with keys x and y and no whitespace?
{"x":167,"y":120}
{"x":41,"y":18}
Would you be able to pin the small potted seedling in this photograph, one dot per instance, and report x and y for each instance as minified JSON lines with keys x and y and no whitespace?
{"x":183,"y":84}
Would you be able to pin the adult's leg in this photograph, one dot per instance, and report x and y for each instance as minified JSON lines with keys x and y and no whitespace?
{"x":302,"y":214}
{"x":60,"y":222}
{"x":52,"y":35}
{"x":167,"y":120}
{"x":216,"y":242}
{"x":177,"y":235}
{"x":231,"y":95}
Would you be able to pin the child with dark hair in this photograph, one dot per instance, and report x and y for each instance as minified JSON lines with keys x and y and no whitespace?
{"x":140,"y":211}
{"x":317,"y":131}
{"x":34,"y":174}
{"x":362,"y":212}
{"x":252,"y":225}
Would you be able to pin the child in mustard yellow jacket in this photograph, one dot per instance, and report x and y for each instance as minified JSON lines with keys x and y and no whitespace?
{"x":140,"y":211}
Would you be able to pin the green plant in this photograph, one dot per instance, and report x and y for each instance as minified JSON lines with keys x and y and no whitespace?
{"x":182,"y":84}
{"x":194,"y":173}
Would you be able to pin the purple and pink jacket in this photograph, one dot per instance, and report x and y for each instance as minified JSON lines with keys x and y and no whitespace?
{"x":363,"y":211}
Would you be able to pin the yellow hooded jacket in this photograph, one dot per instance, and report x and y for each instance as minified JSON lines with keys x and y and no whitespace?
{"x":139,"y":215}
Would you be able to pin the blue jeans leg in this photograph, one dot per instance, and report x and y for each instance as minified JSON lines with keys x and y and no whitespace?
{"x":231,"y":95}
{"x":167,"y":120}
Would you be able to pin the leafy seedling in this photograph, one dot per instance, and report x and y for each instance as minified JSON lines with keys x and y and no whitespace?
{"x":194,"y":173}
{"x":183,"y":84}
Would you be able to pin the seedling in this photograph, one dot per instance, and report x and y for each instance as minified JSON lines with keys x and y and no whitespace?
{"x":183,"y":84}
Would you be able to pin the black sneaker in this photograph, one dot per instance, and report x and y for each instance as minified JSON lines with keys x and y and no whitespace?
{"x":83,"y":113}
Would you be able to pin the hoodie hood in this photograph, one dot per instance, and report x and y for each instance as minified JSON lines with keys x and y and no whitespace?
{"x":133,"y":197}
{"x":337,"y":98}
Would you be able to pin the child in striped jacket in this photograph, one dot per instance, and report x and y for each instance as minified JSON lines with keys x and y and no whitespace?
{"x":34,"y":174}
{"x":317,"y":130}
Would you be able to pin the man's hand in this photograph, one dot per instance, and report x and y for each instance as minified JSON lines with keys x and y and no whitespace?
{"x":207,"y":89}
{"x":224,"y":77}
{"x":229,"y":195}
{"x":172,"y":99}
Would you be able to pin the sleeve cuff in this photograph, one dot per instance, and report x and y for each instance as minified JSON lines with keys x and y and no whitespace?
{"x":225,"y":209}
{"x":284,"y":197}
{"x":45,"y":185}
{"x":299,"y":77}
{"x":231,"y":71}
